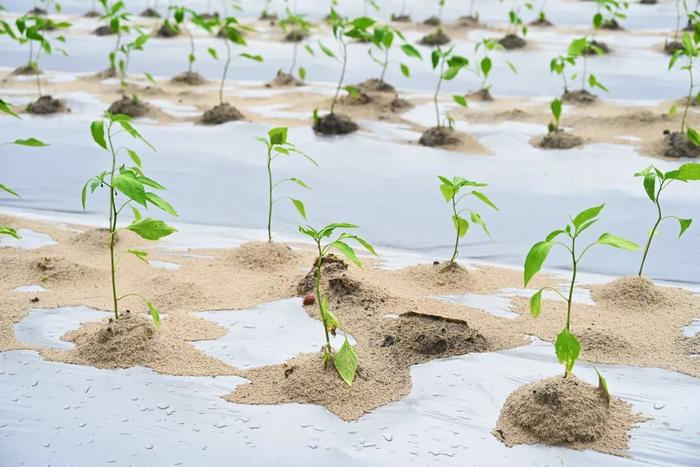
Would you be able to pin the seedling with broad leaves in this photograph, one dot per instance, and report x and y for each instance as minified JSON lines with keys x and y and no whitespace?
{"x":608,"y":12}
{"x":382,"y":38}
{"x":655,"y":182}
{"x":567,"y":345}
{"x":577,"y":50}
{"x":6,"y":108}
{"x":180,"y":15}
{"x":277,"y":145}
{"x":345,"y":359}
{"x":690,"y":53}
{"x":452,"y":193}
{"x":127,"y":187}
{"x":483,"y":63}
{"x":441,"y":59}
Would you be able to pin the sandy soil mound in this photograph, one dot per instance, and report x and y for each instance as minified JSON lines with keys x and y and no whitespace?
{"x":167,"y":31}
{"x":263,"y":256}
{"x":483,"y":95}
{"x":96,"y":240}
{"x":512,"y":41}
{"x":296,"y":35}
{"x":611,"y":25}
{"x":283,"y":80}
{"x":599,"y":341}
{"x":92,"y":14}
{"x":190,"y":78}
{"x":672,"y":46}
{"x":25,"y":70}
{"x":360,"y":98}
{"x":130,"y":106}
{"x":439,"y":136}
{"x":36,"y":11}
{"x":104,"y":30}
{"x":580,"y":96}
{"x":400,"y":18}
{"x":335,"y":124}
{"x":375,"y":85}
{"x":60,"y":269}
{"x":150,"y":13}
{"x":634,"y":293}
{"x":333,"y":266}
{"x":435,"y":39}
{"x":432,"y":21}
{"x":47,"y":105}
{"x":560,"y":140}
{"x":221,"y":114}
{"x":676,"y":144}
{"x":470,"y":21}
{"x":447,"y":277}
{"x":122,"y":343}
{"x":565,"y":412}
{"x":541,"y":23}
{"x":693,"y":345}
{"x":416,"y":337}
{"x":597,"y":48}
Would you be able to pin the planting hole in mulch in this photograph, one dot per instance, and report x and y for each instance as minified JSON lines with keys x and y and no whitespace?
{"x":190,"y":78}
{"x":46,"y":105}
{"x":435,"y":39}
{"x":512,"y":42}
{"x":439,"y":136}
{"x":559,"y":139}
{"x":131,"y":106}
{"x":677,"y":145}
{"x":580,"y":96}
{"x":221,"y":113}
{"x":335,"y":124}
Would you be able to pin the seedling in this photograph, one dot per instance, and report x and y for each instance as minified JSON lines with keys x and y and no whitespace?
{"x":556,"y":108}
{"x":541,"y":15}
{"x":277,"y":145}
{"x":567,"y":345}
{"x":577,"y":50}
{"x":455,"y":63}
{"x":655,"y":181}
{"x":297,"y":29}
{"x":118,"y":21}
{"x":180,"y":15}
{"x":6,"y":108}
{"x":608,"y":12}
{"x":484,"y":63}
{"x":450,"y":190}
{"x":515,"y":20}
{"x":230,"y":30}
{"x":382,"y":39}
{"x":690,"y":52}
{"x":132,"y":184}
{"x":345,"y":359}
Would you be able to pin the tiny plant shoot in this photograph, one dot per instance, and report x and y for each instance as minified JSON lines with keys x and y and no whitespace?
{"x":441,"y":58}
{"x":690,"y":52}
{"x":345,"y":359}
{"x":484,"y":65}
{"x":382,"y":39}
{"x":577,"y":50}
{"x":655,"y":181}
{"x":450,"y":190}
{"x":180,"y":15}
{"x":277,"y":145}
{"x":567,"y":345}
{"x":296,"y":26}
{"x":127,"y":186}
{"x":6,"y":108}
{"x":608,"y":12}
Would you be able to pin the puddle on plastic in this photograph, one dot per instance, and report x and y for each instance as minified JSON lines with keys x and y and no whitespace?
{"x":692,"y":329}
{"x":59,"y":410}
{"x":29,"y":289}
{"x":29,"y":240}
{"x":266,"y":335}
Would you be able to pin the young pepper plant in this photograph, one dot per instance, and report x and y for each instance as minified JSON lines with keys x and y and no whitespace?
{"x":345,"y":359}
{"x":132,"y":184}
{"x":450,"y":190}
{"x":382,"y":38}
{"x":567,"y":345}
{"x":277,"y":145}
{"x":180,"y":15}
{"x":6,"y":108}
{"x":608,"y":12}
{"x":455,"y":63}
{"x":690,"y":52}
{"x":484,"y":63}
{"x":297,"y":29}
{"x":577,"y":50}
{"x":655,"y":181}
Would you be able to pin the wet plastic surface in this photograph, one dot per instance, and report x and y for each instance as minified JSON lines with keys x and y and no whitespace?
{"x":29,"y":240}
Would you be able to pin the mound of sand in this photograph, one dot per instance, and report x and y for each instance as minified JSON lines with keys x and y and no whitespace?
{"x":94,"y":239}
{"x":335,"y":124}
{"x":559,"y":139}
{"x":46,"y":105}
{"x":435,"y":39}
{"x":333,"y":266}
{"x":190,"y":78}
{"x":602,"y":341}
{"x":565,"y":412}
{"x":60,"y":269}
{"x":634,"y":293}
{"x":263,"y":256}
{"x":221,"y":114}
{"x":283,"y":80}
{"x":130,"y":106}
{"x":445,"y":277}
{"x":439,"y":136}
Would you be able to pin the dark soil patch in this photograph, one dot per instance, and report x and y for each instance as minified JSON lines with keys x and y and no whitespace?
{"x":104,"y":30}
{"x":677,"y":144}
{"x":648,"y":2}
{"x":266,"y":16}
{"x":541,"y":23}
{"x":130,"y":106}
{"x":209,"y":16}
{"x":359,"y":98}
{"x":190,"y":78}
{"x":106,"y":73}
{"x":26,"y":70}
{"x":435,"y":39}
{"x":483,"y":95}
{"x":417,"y":337}
{"x":512,"y":42}
{"x":597,"y":48}
{"x":335,"y":124}
{"x":439,"y":136}
{"x":296,"y":35}
{"x":91,"y":14}
{"x":222,"y":113}
{"x":150,"y":13}
{"x":36,"y":11}
{"x":167,"y":31}
{"x":400,"y":18}
{"x":469,"y":21}
{"x":559,"y":139}
{"x":580,"y":96}
{"x":375,"y":85}
{"x":283,"y":80}
{"x":333,"y":266}
{"x":670,"y":47}
{"x":432,"y":21}
{"x":611,"y":25}
{"x":46,"y":105}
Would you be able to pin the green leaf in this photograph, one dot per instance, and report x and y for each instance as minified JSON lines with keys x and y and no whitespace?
{"x":97,"y":128}
{"x":617,"y":242}
{"x":460,"y":99}
{"x":136,"y":213}
{"x":484,"y":199}
{"x":128,"y":184}
{"x":7,"y":189}
{"x":650,"y":185}
{"x":278,"y":135}
{"x":345,"y":361}
{"x":212,"y":52}
{"x":134,"y":157}
{"x":586,"y":215}
{"x":685,"y":225}
{"x":132,"y":131}
{"x":255,"y":58}
{"x":693,"y":136}
{"x":302,"y":73}
{"x":300,"y":207}
{"x":140,"y":254}
{"x":486,"y":65}
{"x":461,"y":225}
{"x":9,"y":231}
{"x":476,"y":218}
{"x":536,"y":258}
{"x":554,"y":234}
{"x":330,"y":322}
{"x":7,"y":108}
{"x":447,"y":191}
{"x":154,"y":313}
{"x":603,"y":385}
{"x":536,"y":304}
{"x":151,"y":229}
{"x":567,"y":348}
{"x":688,"y":172}
{"x":161,"y":203}
{"x":83,"y":194}
{"x":347,"y":251}
{"x":405,"y":70}
{"x":32,"y":142}
{"x":411,"y":51}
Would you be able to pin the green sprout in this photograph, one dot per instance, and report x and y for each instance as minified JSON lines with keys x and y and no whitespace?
{"x":450,"y":190}
{"x":608,"y":12}
{"x":556,"y":108}
{"x":180,"y":14}
{"x":6,"y":108}
{"x":277,"y":145}
{"x":690,"y":52}
{"x":484,"y":65}
{"x":345,"y":359}
{"x":455,"y":63}
{"x":297,"y":29}
{"x":131,"y":183}
{"x":567,"y":345}
{"x":655,"y":181}
{"x":577,"y":50}
{"x":381,"y":37}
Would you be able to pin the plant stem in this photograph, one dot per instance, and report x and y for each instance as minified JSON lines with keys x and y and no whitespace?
{"x":223,"y":78}
{"x":653,"y":230}
{"x":294,"y":58}
{"x":385,"y":65}
{"x":454,"y":210}
{"x":573,"y":284}
{"x":269,"y":206}
{"x":344,"y":52}
{"x":319,"y":265}
{"x":437,"y":91}
{"x":189,"y":59}
{"x":585,"y":72}
{"x":690,"y":94}
{"x":112,"y":222}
